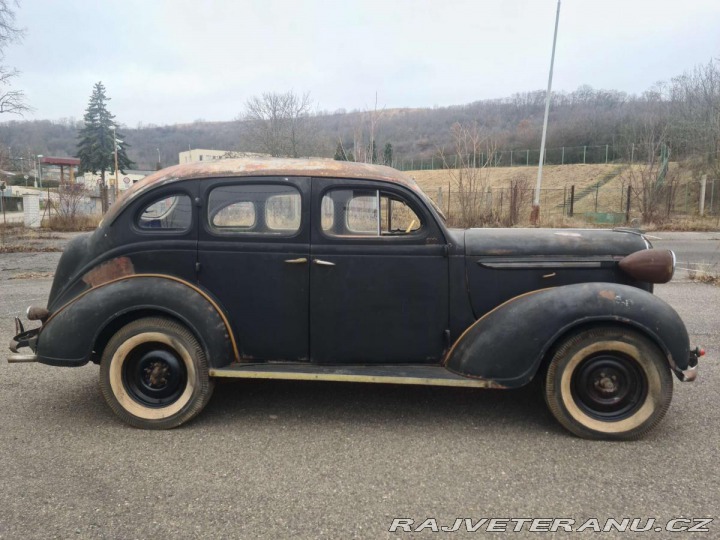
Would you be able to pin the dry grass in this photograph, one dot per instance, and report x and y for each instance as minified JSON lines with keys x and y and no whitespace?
{"x":17,"y":239}
{"x":557,"y":180}
{"x":683,"y":224}
{"x":77,"y":223}
{"x":554,"y":176}
{"x":704,"y":273}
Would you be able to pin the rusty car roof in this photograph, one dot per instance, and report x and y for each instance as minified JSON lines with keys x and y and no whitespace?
{"x":253,"y":167}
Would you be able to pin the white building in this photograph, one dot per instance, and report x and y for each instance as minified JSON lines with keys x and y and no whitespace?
{"x":127,"y":179}
{"x":200,"y":154}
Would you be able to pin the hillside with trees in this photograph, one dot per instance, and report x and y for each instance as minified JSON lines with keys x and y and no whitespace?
{"x":684,"y":113}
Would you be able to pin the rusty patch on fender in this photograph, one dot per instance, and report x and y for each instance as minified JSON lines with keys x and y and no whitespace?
{"x":607,"y":295}
{"x":119,"y":267}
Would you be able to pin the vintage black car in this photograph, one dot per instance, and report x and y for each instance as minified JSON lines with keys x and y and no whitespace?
{"x":336,"y":271}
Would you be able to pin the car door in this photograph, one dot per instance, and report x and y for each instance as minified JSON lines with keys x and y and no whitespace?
{"x":253,"y":257}
{"x":378,"y":275}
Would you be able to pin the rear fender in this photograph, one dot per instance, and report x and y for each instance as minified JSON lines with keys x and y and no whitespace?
{"x":509,"y":343}
{"x":69,"y":336}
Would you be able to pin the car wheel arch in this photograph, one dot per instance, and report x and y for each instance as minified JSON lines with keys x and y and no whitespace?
{"x":593,"y":323}
{"x":509,"y":343}
{"x":113,"y":324}
{"x":111,"y":305}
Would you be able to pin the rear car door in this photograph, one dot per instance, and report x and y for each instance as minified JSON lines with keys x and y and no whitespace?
{"x":378,"y":275}
{"x":253,"y":257}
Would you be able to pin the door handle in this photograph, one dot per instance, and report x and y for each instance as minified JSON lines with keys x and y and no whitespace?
{"x":320,"y":262}
{"x":301,"y":260}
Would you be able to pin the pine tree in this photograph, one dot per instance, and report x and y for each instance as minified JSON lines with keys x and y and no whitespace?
{"x":96,"y":148}
{"x":388,"y":155}
{"x":339,"y":153}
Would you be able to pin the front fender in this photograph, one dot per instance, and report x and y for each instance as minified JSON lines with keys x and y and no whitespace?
{"x":508,"y":344}
{"x":68,"y":337}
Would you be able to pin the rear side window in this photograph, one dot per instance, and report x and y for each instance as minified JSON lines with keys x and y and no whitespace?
{"x":173,"y":213}
{"x":256,"y":209}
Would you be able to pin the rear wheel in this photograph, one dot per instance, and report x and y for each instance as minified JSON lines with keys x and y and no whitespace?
{"x":154,"y":374}
{"x":608,"y":383}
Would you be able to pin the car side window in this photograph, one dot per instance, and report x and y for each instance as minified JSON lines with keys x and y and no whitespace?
{"x":363,"y":212}
{"x":173,"y":213}
{"x":255,"y":209}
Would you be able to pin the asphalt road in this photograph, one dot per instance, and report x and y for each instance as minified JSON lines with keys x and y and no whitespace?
{"x":330,"y":460}
{"x":699,"y":250}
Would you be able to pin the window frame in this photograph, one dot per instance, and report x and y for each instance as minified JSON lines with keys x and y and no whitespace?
{"x":392,"y":194}
{"x":153,"y":198}
{"x":253,"y":236}
{"x":432,"y":232}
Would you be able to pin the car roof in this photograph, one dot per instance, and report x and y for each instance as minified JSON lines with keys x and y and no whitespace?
{"x":254,"y":167}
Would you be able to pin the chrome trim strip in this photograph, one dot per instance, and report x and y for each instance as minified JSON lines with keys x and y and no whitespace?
{"x":538,"y":264}
{"x":20,"y":358}
{"x":674,"y":259}
{"x":347,"y":377}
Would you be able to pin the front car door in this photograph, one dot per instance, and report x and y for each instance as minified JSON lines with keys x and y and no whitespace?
{"x":253,"y":255}
{"x":379,"y":275}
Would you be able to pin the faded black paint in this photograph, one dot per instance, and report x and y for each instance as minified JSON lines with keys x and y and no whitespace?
{"x":390,"y":300}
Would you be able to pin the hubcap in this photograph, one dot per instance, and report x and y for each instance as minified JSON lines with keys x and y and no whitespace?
{"x":609,"y":386}
{"x":154,"y":375}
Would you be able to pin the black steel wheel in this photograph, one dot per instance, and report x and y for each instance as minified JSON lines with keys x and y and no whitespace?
{"x":154,"y":374}
{"x":608,"y":383}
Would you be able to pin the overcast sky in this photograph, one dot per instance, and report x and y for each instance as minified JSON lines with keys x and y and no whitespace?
{"x":175,"y":61}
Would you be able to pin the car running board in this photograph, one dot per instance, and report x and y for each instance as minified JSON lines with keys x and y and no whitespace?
{"x":395,"y":374}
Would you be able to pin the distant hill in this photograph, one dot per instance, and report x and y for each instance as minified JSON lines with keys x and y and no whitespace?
{"x":583,"y":117}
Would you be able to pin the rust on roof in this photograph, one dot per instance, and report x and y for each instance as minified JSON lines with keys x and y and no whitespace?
{"x":254,"y":167}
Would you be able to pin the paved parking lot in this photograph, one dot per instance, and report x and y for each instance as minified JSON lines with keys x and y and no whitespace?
{"x":310,"y":460}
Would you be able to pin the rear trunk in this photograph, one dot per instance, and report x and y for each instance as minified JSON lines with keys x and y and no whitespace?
{"x":503,"y":263}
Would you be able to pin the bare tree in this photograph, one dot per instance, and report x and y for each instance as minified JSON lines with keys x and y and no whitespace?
{"x":11,"y":101}
{"x":279,"y":123}
{"x":365,"y":129}
{"x":651,"y":182}
{"x":472,"y":153}
{"x":71,"y":197}
{"x":695,"y":117}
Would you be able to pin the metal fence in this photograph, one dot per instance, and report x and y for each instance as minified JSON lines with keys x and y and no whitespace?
{"x":594,"y":204}
{"x":563,"y":155}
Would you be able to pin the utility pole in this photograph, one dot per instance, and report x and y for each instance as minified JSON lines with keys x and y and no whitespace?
{"x":535,"y":214}
{"x":39,"y":169}
{"x":117,"y":177}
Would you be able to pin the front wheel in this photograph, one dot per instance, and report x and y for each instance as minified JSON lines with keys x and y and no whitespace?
{"x":154,"y":374}
{"x":608,"y":383}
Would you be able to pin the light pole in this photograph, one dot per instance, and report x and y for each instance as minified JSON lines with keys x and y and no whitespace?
{"x":535,"y":214}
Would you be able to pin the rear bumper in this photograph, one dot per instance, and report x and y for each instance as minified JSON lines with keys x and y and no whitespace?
{"x":25,"y":339}
{"x":690,"y":373}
